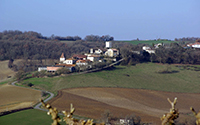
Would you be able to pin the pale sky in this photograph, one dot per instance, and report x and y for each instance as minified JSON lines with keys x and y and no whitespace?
{"x":122,"y":19}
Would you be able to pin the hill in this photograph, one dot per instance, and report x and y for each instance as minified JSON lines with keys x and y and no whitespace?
{"x":142,"y":76}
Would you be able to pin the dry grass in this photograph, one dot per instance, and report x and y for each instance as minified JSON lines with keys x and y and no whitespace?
{"x":13,"y":97}
{"x":5,"y":71}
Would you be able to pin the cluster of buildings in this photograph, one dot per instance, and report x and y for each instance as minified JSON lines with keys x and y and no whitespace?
{"x":150,"y":50}
{"x":95,"y":55}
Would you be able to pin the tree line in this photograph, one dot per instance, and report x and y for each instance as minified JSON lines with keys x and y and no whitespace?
{"x":188,"y":39}
{"x":31,"y":35}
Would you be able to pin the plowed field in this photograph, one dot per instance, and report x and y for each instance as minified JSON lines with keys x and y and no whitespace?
{"x":13,"y":97}
{"x":149,"y":105}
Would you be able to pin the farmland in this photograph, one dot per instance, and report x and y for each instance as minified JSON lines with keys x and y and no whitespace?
{"x":141,"y":88}
{"x":150,"y":42}
{"x":13,"y":97}
{"x":26,"y":117}
{"x":149,"y":105}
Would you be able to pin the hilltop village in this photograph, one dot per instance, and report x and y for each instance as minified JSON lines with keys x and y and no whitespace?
{"x":85,"y":61}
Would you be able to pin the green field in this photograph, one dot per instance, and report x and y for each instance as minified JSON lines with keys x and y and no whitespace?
{"x":141,"y":76}
{"x":150,"y":42}
{"x":27,"y":117}
{"x":3,"y":82}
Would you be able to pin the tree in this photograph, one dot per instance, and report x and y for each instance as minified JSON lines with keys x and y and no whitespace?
{"x":77,"y":38}
{"x":20,"y":75}
{"x":198,"y":40}
{"x":10,"y":63}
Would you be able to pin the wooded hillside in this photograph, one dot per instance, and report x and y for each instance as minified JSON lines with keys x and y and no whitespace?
{"x":34,"y":46}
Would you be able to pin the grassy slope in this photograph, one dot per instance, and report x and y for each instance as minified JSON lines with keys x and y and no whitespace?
{"x":27,"y":117}
{"x":141,"y":76}
{"x":148,"y":42}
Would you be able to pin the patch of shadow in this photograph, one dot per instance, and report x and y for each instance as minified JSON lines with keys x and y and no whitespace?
{"x":126,"y":75}
{"x":167,"y":72}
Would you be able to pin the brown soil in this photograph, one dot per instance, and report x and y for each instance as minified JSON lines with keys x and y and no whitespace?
{"x":13,"y":97}
{"x":149,"y":105}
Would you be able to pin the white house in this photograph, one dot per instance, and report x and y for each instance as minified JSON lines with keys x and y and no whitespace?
{"x":194,"y":45}
{"x":82,"y":62}
{"x":70,"y":61}
{"x":93,"y":58}
{"x":112,"y":52}
{"x":124,"y":121}
{"x":158,"y":45}
{"x":42,"y":69}
{"x":97,"y":51}
{"x":148,"y":49}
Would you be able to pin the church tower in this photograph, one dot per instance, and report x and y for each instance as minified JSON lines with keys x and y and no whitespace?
{"x":62,"y":57}
{"x":108,"y":44}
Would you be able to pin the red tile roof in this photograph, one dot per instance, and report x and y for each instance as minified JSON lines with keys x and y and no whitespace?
{"x":79,"y":56}
{"x":197,"y":43}
{"x":114,"y":49}
{"x":67,"y":65}
{"x":94,"y":56}
{"x":70,"y":59}
{"x":82,"y":61}
{"x":53,"y":68}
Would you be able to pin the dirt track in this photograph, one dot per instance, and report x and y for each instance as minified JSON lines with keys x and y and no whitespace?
{"x":149,"y":105}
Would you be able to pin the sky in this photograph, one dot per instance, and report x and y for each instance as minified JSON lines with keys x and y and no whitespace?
{"x":122,"y":19}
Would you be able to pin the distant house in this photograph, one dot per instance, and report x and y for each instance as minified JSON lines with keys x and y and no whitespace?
{"x":79,"y":57}
{"x":97,"y":51}
{"x":112,"y":52}
{"x":82,"y":62}
{"x":93,"y":58}
{"x":70,"y":61}
{"x":62,"y":57}
{"x":53,"y":68}
{"x":124,"y":121}
{"x":42,"y":69}
{"x":195,"y":45}
{"x":148,"y":49}
{"x":158,"y":45}
{"x":70,"y":67}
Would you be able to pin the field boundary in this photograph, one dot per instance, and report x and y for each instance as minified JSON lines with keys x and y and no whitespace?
{"x":13,"y":111}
